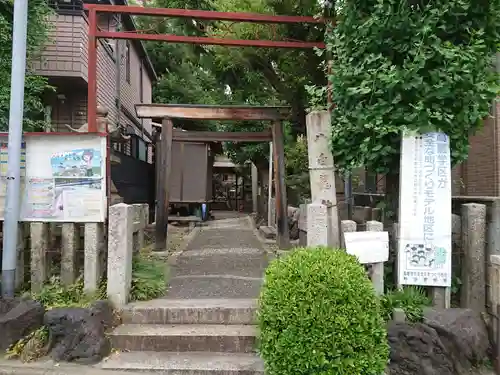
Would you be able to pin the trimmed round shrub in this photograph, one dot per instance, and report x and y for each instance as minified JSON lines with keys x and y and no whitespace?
{"x":318,"y":314}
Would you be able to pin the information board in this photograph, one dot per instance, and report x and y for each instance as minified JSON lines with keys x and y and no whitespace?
{"x":424,"y":251}
{"x":64,"y":178}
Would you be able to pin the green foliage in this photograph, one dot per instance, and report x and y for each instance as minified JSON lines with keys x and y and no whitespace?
{"x":318,"y":314}
{"x":411,"y":299}
{"x":297,"y":171}
{"x":404,"y":64}
{"x":38,"y":30}
{"x":224,"y":75}
{"x":149,"y":277}
{"x":54,"y":294}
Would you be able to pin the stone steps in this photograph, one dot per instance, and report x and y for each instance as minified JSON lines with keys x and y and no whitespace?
{"x":198,"y":311}
{"x":184,"y":338}
{"x":193,"y":363}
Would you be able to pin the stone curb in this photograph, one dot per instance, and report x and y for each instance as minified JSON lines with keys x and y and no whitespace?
{"x":172,"y":258}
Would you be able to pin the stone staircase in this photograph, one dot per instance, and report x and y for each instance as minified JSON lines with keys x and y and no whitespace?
{"x":187,"y":337}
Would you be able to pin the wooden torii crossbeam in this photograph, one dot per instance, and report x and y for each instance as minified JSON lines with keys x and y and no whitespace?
{"x":167,"y":112}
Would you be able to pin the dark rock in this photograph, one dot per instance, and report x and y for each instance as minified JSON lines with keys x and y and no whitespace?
{"x":417,"y":349}
{"x":18,"y":318}
{"x":450,"y":342}
{"x":463,"y":332}
{"x":78,"y":334}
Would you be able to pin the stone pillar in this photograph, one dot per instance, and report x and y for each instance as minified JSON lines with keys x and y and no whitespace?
{"x":377,"y":268}
{"x":494,"y":229}
{"x":441,"y":297}
{"x":69,"y":237}
{"x":494,"y":290}
{"x":303,"y":225}
{"x":255,"y":188}
{"x":39,"y":243}
{"x":473,"y":293}
{"x":21,"y":247}
{"x":120,"y":234}
{"x":318,"y":226}
{"x":139,"y":225}
{"x":94,"y":247}
{"x":323,"y":209}
{"x":347,"y":226}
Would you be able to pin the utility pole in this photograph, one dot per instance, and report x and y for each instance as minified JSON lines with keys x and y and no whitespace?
{"x":12,"y":201}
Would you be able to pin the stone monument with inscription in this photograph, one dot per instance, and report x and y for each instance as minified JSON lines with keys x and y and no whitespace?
{"x":322,"y":214}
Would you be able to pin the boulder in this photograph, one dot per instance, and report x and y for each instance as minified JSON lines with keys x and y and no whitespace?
{"x":449,"y":342}
{"x":463,"y":332}
{"x":18,"y":318}
{"x":78,"y":334}
{"x":417,"y":349}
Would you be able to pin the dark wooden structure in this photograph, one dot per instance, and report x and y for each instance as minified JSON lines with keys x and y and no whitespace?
{"x":164,"y":158}
{"x":191,"y":175}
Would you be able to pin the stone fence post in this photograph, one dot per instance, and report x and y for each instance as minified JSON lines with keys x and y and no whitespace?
{"x":377,"y":268}
{"x":140,"y":211}
{"x":473,"y":291}
{"x":120,"y":242}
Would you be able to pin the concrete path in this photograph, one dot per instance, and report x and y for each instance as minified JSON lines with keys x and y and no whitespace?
{"x":224,"y":259}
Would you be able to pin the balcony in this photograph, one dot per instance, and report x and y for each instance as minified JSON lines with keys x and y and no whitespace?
{"x":65,"y":54}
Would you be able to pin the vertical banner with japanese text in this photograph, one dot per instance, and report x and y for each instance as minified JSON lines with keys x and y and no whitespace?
{"x":424,"y":251}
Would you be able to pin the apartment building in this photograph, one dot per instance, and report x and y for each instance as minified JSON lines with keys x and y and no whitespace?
{"x":125,"y":76}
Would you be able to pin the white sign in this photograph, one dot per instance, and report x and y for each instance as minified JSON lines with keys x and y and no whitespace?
{"x":63,"y":177}
{"x":424,"y":251}
{"x":368,"y":247}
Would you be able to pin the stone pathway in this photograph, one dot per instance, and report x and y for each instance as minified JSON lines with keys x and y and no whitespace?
{"x":205,"y":323}
{"x":223,"y":260}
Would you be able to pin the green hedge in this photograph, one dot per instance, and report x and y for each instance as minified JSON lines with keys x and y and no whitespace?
{"x":318,"y":314}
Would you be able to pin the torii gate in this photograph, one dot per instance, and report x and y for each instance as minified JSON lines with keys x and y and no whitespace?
{"x":201,"y":112}
{"x":223,"y":113}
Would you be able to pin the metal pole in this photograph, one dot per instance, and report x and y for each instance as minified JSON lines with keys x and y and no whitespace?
{"x":270,"y":187}
{"x":12,"y":201}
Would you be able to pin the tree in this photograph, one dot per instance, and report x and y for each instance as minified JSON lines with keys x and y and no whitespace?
{"x":38,"y":29}
{"x":272,"y":76}
{"x":225,"y":75}
{"x":409,"y":64}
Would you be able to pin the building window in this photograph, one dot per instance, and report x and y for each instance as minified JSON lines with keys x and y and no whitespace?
{"x":143,"y":151}
{"x":127,"y":62}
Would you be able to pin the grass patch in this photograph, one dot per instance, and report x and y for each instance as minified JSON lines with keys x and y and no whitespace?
{"x":412,"y":299}
{"x":149,"y":277}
